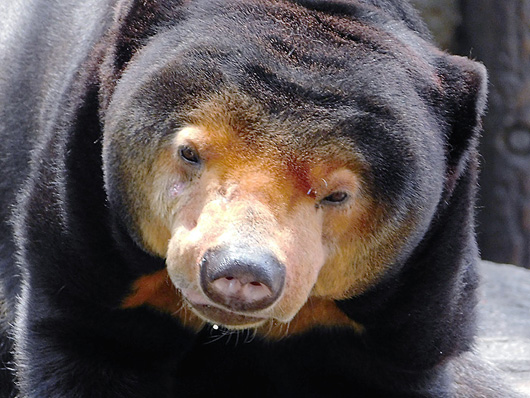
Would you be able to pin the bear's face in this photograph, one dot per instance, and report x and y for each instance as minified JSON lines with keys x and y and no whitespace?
{"x":236,"y":206}
{"x":250,"y":222}
{"x":271,"y":183}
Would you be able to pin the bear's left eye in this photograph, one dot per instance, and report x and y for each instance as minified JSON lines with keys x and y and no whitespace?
{"x":336,"y":198}
{"x":189,"y":154}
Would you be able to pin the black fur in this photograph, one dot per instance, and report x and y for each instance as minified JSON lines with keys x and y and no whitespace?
{"x":69,"y":252}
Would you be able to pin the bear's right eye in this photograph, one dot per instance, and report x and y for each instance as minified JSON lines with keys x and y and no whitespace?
{"x":189,"y":155}
{"x":336,"y":198}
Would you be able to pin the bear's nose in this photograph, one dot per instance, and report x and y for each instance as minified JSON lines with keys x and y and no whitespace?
{"x":242,"y":279}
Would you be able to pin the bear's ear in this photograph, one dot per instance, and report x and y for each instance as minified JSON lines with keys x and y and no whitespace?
{"x":464,"y":87}
{"x":134,"y":22}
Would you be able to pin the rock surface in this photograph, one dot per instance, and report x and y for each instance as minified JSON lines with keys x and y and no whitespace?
{"x":504,"y":322}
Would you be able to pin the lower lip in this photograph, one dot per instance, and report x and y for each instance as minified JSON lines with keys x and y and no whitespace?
{"x":203,"y":308}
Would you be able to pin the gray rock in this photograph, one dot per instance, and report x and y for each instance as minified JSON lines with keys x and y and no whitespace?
{"x":504,"y":322}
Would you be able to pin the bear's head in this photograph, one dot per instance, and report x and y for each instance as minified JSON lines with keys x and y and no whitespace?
{"x":279,"y":156}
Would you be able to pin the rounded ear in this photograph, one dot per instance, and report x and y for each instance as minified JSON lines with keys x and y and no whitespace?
{"x":135,"y":22}
{"x":464,"y":86}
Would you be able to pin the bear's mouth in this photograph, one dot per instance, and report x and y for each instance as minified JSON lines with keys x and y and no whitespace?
{"x":229,"y":319}
{"x":217,"y":315}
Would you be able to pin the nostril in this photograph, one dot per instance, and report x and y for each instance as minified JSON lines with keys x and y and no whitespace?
{"x":255,"y":291}
{"x":234,"y":289}
{"x":242,"y":278}
{"x":228,"y":286}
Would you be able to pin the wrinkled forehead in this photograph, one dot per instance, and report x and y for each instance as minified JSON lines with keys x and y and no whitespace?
{"x":287,"y":57}
{"x":334,"y":89}
{"x":275,"y":116}
{"x":232,"y":120}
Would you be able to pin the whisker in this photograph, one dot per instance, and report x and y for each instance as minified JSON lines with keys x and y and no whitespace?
{"x":271,"y":325}
{"x":229,"y":334}
{"x":287,"y":325}
{"x":215,"y":335}
{"x":251,"y":335}
{"x":214,"y":339}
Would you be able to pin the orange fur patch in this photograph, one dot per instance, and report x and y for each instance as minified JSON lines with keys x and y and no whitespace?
{"x":316,"y":312}
{"x":157,"y":291}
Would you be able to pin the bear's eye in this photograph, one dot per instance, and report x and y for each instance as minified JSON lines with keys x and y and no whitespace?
{"x":336,"y":198}
{"x":189,"y":154}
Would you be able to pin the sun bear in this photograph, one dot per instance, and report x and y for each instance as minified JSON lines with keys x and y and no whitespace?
{"x":270,"y":198}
